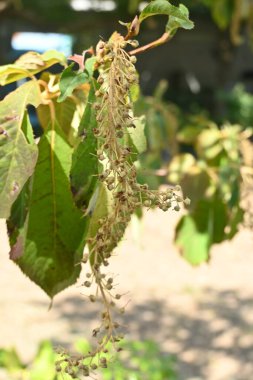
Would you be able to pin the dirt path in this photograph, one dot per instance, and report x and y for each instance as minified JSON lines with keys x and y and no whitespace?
{"x":204,"y":315}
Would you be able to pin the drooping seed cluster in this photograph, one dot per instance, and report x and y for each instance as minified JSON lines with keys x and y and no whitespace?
{"x":115,"y":121}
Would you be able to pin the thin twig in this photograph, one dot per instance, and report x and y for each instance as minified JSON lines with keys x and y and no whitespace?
{"x":162,"y":40}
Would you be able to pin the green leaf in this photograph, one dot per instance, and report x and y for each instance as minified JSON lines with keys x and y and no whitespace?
{"x":195,"y":183}
{"x":64,"y":114}
{"x":218,"y":219}
{"x":100,"y":207}
{"x":209,"y":144}
{"x":176,"y":21}
{"x":189,"y":134}
{"x":18,"y":153}
{"x":197,"y":231}
{"x":136,"y":137}
{"x":90,"y":65}
{"x":194,"y":245}
{"x":134,"y":92}
{"x":84,"y":169}
{"x":222,"y":12}
{"x":10,"y":360}
{"x":82,"y":346}
{"x":69,"y":81}
{"x":236,"y":218}
{"x":178,"y":16}
{"x":30,"y":64}
{"x":49,"y":245}
{"x":180,"y":166}
{"x":43,"y":366}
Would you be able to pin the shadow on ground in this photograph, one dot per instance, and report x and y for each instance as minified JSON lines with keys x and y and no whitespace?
{"x":213,"y":336}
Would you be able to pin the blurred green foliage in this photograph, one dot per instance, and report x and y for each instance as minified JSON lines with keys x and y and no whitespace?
{"x":238,"y":105}
{"x":138,"y":361}
{"x":222,"y":11}
{"x":206,"y":160}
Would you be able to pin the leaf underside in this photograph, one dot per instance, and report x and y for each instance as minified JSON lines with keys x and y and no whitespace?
{"x":28,"y":65}
{"x":17,"y":155}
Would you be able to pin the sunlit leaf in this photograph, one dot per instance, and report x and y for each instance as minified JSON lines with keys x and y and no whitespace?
{"x":179,"y":167}
{"x":209,"y":144}
{"x":17,"y":155}
{"x":90,"y":65}
{"x":69,"y":81}
{"x":43,"y":366}
{"x":179,"y":21}
{"x":136,"y":137}
{"x":196,"y":232}
{"x":178,"y":16}
{"x":30,"y":64}
{"x":10,"y":360}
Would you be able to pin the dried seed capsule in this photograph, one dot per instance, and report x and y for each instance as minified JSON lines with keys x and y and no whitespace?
{"x":96,"y":106}
{"x":69,"y":370}
{"x":83,"y":367}
{"x":152,"y":197}
{"x":187,"y":201}
{"x":98,"y":93}
{"x":134,"y":43}
{"x":92,"y":298}
{"x":95,"y":331}
{"x":102,"y":360}
{"x":133,"y":59}
{"x":147,"y":203}
{"x":110,"y":180}
{"x":119,"y":134}
{"x":169,"y":204}
{"x":105,"y":314}
{"x":58,"y":368}
{"x":87,"y":284}
{"x":85,"y":258}
{"x":96,"y":131}
{"x":110,"y":187}
{"x":86,"y":373}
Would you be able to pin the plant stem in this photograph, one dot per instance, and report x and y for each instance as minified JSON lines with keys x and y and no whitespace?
{"x":164,"y":38}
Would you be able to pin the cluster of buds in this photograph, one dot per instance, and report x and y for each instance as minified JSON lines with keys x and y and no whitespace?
{"x":115,"y":120}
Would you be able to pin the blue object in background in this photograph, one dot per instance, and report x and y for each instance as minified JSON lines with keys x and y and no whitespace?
{"x":41,"y":42}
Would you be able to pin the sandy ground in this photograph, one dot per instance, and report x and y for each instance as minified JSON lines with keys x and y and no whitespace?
{"x":204,"y":316}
